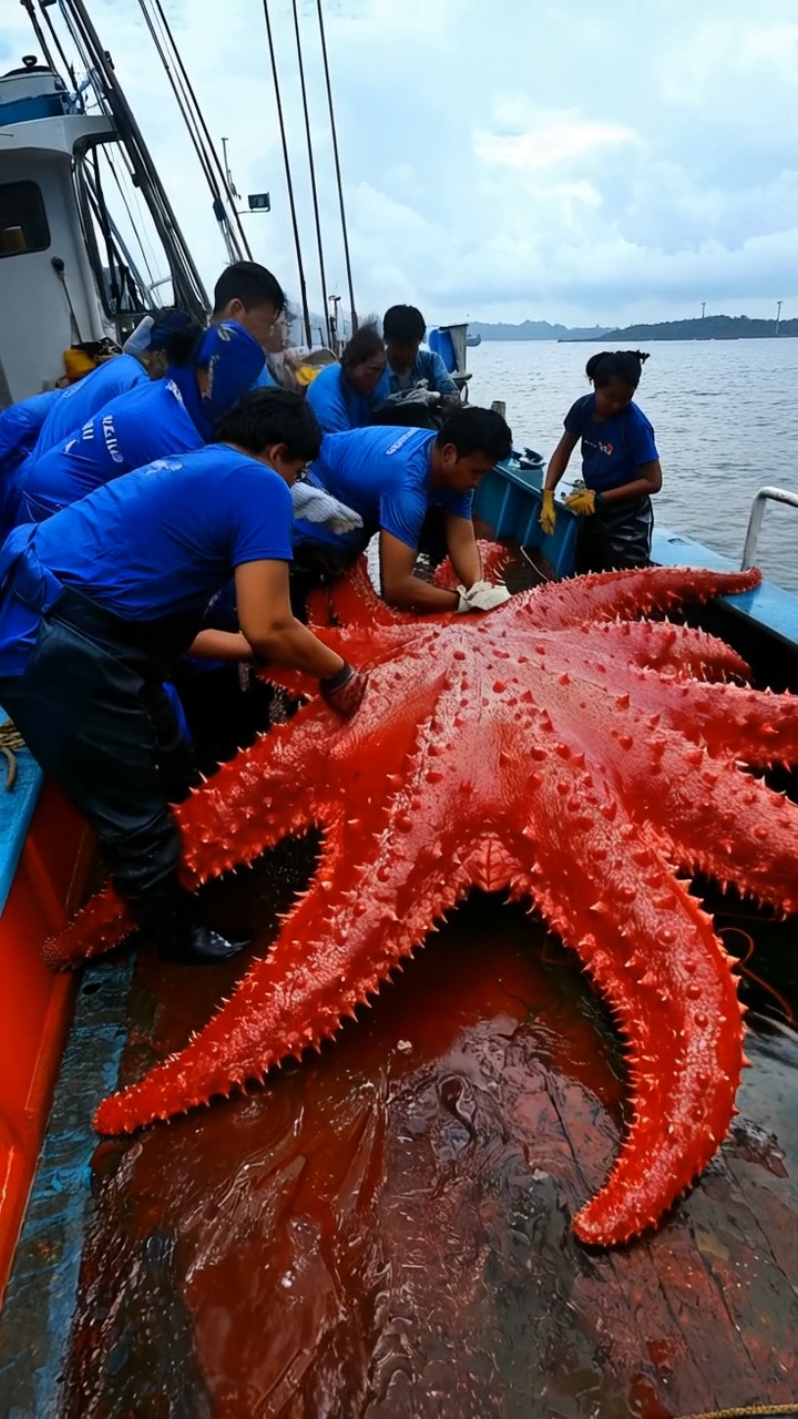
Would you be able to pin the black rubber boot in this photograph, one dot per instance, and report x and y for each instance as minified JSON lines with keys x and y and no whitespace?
{"x":167,"y":913}
{"x":201,"y":946}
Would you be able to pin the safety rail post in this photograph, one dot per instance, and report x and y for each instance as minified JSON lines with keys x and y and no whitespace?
{"x":776,"y":495}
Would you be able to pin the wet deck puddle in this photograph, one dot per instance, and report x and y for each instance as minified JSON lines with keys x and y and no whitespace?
{"x":383,"y":1229}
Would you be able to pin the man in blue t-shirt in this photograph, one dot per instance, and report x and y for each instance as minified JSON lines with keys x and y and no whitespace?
{"x":142,"y":359}
{"x":403,"y":329}
{"x":392,"y":478}
{"x":162,"y":417}
{"x":97,"y":603}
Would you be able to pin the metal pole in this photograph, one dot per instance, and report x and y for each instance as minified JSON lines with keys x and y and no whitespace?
{"x":337,"y":168}
{"x":312,"y":168}
{"x":204,"y":127}
{"x":289,"y":183}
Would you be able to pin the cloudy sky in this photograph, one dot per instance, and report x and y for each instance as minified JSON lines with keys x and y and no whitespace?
{"x":558,"y":160}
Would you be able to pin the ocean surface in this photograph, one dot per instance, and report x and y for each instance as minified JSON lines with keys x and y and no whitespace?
{"x":725,"y":414}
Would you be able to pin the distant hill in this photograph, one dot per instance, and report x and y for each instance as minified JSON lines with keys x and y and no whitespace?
{"x":535,"y":330}
{"x":712,"y":327}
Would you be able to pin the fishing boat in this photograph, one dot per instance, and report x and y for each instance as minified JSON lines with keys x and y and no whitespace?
{"x":383,"y":1230}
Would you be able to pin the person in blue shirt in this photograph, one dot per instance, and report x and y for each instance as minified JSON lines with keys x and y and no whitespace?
{"x":20,"y":425}
{"x":392,"y":478}
{"x":207,"y":374}
{"x":98,"y":602}
{"x":340,"y":395}
{"x":621,"y":470}
{"x":250,"y":294}
{"x":403,"y":329}
{"x":137,"y":364}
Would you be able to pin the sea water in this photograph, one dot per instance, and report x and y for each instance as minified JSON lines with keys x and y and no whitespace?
{"x":725,"y":415}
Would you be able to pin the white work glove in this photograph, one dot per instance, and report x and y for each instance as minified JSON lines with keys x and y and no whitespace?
{"x":319,"y":506}
{"x":482,"y":596}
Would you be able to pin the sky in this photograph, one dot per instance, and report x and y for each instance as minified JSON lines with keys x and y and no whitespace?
{"x":564,"y":161}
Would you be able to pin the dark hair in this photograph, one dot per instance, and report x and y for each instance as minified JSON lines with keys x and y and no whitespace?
{"x":410,"y":414}
{"x":362,"y":346}
{"x":249,"y":283}
{"x":180,"y":345}
{"x":267,"y":416}
{"x":477,"y":431}
{"x":625,"y":365}
{"x":404,"y":324}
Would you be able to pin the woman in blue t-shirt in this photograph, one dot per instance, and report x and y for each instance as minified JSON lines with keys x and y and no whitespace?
{"x":620,"y":467}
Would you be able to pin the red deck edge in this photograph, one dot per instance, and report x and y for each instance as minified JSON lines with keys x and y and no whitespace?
{"x":35,"y":1003}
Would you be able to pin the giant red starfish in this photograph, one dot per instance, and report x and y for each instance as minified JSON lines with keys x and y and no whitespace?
{"x":553,"y":749}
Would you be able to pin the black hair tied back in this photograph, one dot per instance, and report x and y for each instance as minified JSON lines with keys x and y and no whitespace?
{"x":625,"y":365}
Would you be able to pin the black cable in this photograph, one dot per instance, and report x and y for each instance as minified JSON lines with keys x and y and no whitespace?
{"x":189,"y":292}
{"x":312,"y":168}
{"x":37,"y":29}
{"x":201,"y":120}
{"x":353,"y":311}
{"x":289,"y":183}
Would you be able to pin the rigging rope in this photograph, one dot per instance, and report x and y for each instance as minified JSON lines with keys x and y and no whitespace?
{"x":10,"y":739}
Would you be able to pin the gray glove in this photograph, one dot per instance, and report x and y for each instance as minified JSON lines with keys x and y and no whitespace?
{"x":482,"y":596}
{"x":319,"y":506}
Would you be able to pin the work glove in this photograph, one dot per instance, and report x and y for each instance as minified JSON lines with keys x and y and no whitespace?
{"x":344,"y":690}
{"x":548,"y":516}
{"x":482,"y":596}
{"x":316,"y":505}
{"x":584,"y":501}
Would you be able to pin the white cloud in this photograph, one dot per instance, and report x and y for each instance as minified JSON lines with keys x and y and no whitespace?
{"x":517,"y":161}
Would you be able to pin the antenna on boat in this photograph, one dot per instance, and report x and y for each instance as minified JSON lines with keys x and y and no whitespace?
{"x":353,"y":311}
{"x":289,"y":183}
{"x":312,"y":168}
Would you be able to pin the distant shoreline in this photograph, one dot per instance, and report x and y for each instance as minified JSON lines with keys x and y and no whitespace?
{"x":710,"y":327}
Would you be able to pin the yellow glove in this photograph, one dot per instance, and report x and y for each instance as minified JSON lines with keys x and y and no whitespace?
{"x":584,"y":501}
{"x":548,"y":516}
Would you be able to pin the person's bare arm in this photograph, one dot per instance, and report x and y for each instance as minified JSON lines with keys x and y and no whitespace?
{"x":462,"y":547}
{"x":401,"y":588}
{"x":559,"y":459}
{"x":270,"y":627}
{"x":648,"y":480}
{"x":220,"y":645}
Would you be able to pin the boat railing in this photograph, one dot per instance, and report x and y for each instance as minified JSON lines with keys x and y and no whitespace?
{"x":776,"y":495}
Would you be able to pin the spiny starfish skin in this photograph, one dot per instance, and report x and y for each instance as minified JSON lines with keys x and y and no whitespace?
{"x":548,"y":749}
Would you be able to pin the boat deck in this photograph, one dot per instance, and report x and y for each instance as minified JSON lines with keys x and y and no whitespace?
{"x":384,"y":1229}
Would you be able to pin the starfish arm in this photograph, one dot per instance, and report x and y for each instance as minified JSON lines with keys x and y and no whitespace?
{"x":94,"y":930}
{"x":652,"y":953}
{"x":628,"y":595}
{"x":666,"y":648}
{"x":751,"y":726}
{"x":351,"y":601}
{"x":493,"y":557}
{"x":337,"y":945}
{"x":723,"y":822}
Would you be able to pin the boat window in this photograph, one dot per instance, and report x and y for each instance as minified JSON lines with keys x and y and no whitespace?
{"x":23,"y":220}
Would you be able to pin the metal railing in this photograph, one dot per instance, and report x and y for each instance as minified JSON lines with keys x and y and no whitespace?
{"x":776,"y":495}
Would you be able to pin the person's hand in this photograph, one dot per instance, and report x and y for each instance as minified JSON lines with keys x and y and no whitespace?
{"x":584,"y":502}
{"x":344,"y":690}
{"x":482,"y":596}
{"x":548,"y":516}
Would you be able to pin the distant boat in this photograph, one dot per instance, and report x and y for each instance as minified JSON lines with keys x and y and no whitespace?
{"x":473,"y":340}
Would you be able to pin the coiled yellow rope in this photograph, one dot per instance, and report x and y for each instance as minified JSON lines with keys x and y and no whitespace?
{"x":743,"y":1411}
{"x":10,"y":739}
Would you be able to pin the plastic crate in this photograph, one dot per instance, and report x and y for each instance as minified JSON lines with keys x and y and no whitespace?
{"x":509,"y":500}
